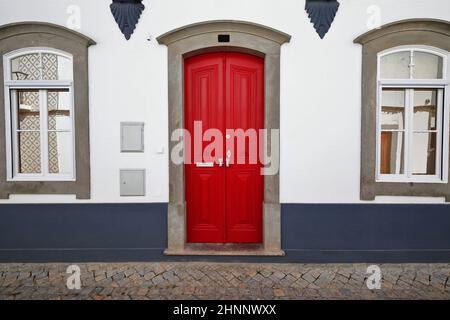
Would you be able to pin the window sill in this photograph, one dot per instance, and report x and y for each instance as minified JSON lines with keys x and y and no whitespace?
{"x":41,"y":180}
{"x":413,"y":181}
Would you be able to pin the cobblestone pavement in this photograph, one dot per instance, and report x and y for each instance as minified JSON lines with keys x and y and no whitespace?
{"x":223,"y":281}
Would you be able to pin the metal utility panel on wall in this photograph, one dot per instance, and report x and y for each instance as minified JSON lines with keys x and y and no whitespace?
{"x":132,"y":137}
{"x":132,"y":182}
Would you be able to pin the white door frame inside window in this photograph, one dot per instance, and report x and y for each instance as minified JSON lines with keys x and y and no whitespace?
{"x":10,"y":124}
{"x":409,"y":85}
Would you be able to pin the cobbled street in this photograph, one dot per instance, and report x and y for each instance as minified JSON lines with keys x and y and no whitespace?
{"x":223,"y":281}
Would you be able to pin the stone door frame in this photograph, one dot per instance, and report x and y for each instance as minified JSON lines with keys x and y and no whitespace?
{"x":204,"y":37}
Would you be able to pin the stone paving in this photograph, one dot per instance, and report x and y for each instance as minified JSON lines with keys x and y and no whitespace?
{"x":223,"y":281}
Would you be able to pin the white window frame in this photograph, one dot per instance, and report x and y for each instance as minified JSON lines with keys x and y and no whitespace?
{"x":10,"y":125}
{"x":409,"y":85}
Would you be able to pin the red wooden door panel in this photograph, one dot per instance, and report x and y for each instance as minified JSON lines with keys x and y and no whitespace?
{"x":224,"y":203}
{"x":244,"y":109}
{"x":205,"y":187}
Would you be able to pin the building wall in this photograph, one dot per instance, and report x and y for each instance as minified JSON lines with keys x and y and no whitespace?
{"x":320,"y":89}
{"x":322,"y":216}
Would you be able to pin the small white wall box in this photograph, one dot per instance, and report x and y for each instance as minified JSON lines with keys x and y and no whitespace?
{"x":132,"y":182}
{"x":132,"y":137}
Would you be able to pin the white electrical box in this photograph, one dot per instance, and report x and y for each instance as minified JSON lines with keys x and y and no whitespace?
{"x":132,"y":137}
{"x":132,"y":182}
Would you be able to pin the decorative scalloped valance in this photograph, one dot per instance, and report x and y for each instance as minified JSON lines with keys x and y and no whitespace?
{"x":127,"y":14}
{"x":322,"y":14}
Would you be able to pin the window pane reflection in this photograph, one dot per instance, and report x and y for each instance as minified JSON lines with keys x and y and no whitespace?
{"x":425,"y":109}
{"x":58,"y":106}
{"x":55,"y":67}
{"x":392,"y":152}
{"x":27,"y":106}
{"x":424,"y":153}
{"x":393,"y":110}
{"x":26,"y":67}
{"x":29,"y":152}
{"x":60,"y":152}
{"x":45,"y":66}
{"x":396,"y":65}
{"x":427,"y":66}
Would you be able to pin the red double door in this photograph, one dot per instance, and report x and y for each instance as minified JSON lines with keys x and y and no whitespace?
{"x":224,"y":196}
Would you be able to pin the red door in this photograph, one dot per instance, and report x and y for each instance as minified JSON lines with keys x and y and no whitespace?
{"x":224,"y":192}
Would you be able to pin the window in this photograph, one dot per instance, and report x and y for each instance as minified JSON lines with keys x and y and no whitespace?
{"x":405,"y":110}
{"x":44,"y":110}
{"x":411,"y":115}
{"x":39,"y":107}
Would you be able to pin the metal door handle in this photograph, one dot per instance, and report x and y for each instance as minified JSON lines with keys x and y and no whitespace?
{"x":228,"y":158}
{"x":220,"y":162}
{"x":204,"y":164}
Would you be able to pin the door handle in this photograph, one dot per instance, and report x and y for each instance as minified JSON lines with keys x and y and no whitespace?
{"x":220,"y":162}
{"x":228,"y":158}
{"x":204,"y":164}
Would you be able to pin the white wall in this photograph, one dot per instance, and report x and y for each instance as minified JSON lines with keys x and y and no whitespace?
{"x":320,"y":88}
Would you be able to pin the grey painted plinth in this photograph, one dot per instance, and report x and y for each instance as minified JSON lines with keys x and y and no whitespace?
{"x":200,"y":38}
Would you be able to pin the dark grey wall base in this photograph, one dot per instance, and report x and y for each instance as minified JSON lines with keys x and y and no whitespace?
{"x":80,"y":255}
{"x":82,"y":232}
{"x":366,"y":230}
{"x":311,"y":233}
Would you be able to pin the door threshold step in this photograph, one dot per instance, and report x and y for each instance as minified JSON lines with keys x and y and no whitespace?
{"x":227,"y":249}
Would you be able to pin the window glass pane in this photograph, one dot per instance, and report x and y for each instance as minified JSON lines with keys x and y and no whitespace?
{"x":55,"y":67}
{"x":423,"y":153}
{"x":60,"y":152}
{"x":425,"y":109}
{"x":396,"y":65}
{"x":28,"y":114}
{"x":58,"y":104}
{"x":392,"y":153}
{"x":393,"y":109}
{"x":26,"y":67}
{"x":29,"y":152}
{"x":427,"y":66}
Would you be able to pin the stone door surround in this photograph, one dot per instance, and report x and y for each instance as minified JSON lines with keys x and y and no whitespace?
{"x":204,"y":37}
